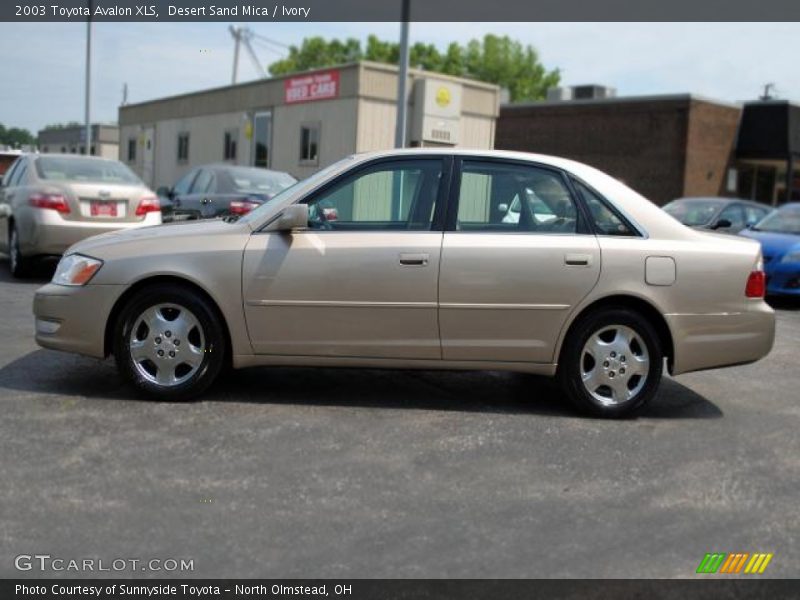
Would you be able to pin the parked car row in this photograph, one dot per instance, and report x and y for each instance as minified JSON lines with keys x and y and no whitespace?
{"x":50,"y":201}
{"x":778,"y":230}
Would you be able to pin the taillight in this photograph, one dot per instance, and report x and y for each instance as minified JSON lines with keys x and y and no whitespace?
{"x":148,"y":204}
{"x":241,"y":207}
{"x":55,"y":202}
{"x":756,"y":285}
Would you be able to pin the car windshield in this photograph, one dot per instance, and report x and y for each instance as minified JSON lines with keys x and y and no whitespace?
{"x":784,"y":220}
{"x":76,"y":168}
{"x":244,"y":180}
{"x":281,"y":198}
{"x":693,"y":212}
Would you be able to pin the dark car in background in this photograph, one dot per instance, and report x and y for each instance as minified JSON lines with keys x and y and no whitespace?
{"x":725,"y":215}
{"x":219,"y":190}
{"x":779,"y":234}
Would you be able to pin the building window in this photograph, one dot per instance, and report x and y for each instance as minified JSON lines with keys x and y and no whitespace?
{"x":45,"y":149}
{"x":229,"y":152}
{"x":63,"y":149}
{"x":309,"y":144}
{"x":183,"y":147}
{"x":131,"y":150}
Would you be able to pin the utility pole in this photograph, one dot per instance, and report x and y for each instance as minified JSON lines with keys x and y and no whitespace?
{"x":236,"y":32}
{"x":87,"y":114}
{"x":402,"y":77}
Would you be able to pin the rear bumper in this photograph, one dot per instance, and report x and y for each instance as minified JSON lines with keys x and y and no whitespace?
{"x":74,"y":319}
{"x":708,"y":341}
{"x":49,"y":233}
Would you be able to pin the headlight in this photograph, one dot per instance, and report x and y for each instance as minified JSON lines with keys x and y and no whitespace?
{"x":76,"y":269}
{"x":793,"y":256}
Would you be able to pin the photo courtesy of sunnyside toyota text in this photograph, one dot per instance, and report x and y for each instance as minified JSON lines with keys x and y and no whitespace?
{"x":399,"y":299}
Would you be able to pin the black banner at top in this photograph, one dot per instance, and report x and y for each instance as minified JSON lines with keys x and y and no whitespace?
{"x":390,"y":10}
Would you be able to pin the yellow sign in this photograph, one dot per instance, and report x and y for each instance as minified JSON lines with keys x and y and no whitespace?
{"x":248,"y":130}
{"x":443,"y":96}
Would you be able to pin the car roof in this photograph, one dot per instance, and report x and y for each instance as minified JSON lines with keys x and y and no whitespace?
{"x":225,"y":166}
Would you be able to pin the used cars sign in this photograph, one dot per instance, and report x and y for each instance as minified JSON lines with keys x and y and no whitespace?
{"x":317,"y":86}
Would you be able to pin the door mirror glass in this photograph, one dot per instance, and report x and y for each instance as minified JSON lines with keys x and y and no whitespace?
{"x":294,"y":216}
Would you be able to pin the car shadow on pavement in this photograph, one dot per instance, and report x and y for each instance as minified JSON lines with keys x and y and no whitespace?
{"x":784,"y":303}
{"x":60,"y":375}
{"x":41,"y":271}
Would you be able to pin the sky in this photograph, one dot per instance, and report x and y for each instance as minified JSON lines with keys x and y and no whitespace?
{"x":42,"y":73}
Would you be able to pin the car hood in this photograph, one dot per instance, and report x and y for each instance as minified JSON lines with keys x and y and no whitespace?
{"x":774,"y":244}
{"x":171,"y":236}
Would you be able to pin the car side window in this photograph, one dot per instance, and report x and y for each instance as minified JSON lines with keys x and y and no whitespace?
{"x":509,"y":197}
{"x":732,"y":213}
{"x":203,"y":182}
{"x":10,"y":173}
{"x":604,"y":219}
{"x":753,"y":215}
{"x":20,"y":176}
{"x":399,"y":195}
{"x":185,"y":183}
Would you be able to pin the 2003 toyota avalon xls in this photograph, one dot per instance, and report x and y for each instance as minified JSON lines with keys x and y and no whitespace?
{"x":406,"y":259}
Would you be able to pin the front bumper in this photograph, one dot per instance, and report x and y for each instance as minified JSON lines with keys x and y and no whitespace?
{"x":73,"y":319}
{"x":783,"y":279}
{"x":708,"y":341}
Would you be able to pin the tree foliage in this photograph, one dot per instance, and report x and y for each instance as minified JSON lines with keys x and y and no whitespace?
{"x":494,"y":59}
{"x":15,"y":137}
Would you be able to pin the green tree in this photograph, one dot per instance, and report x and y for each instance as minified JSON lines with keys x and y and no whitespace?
{"x":67,"y":125}
{"x":494,"y":59}
{"x":15,"y":137}
{"x":316,"y":52}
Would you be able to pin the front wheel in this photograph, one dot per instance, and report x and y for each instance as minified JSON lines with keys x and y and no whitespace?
{"x":169,"y":342}
{"x":611,"y":363}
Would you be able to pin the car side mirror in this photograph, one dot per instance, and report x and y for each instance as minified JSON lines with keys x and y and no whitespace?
{"x":295,"y":216}
{"x":164,"y":192}
{"x":721,"y":224}
{"x":502,"y":207}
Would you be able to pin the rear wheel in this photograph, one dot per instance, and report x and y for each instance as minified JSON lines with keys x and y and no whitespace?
{"x":169,"y":342}
{"x":612,"y":362}
{"x":19,"y":265}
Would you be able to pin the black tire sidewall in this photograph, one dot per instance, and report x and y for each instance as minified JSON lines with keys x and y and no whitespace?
{"x":19,"y":268}
{"x":213,"y":333}
{"x":569,"y":365}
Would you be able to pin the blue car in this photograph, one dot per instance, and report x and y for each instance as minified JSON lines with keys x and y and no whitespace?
{"x":779,"y":234}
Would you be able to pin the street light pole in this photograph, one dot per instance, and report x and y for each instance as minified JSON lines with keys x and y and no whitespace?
{"x":87,"y":115}
{"x":402,"y":78}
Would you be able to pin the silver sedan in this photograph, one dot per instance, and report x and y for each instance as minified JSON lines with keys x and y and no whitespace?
{"x":406,"y":259}
{"x":50,"y":201}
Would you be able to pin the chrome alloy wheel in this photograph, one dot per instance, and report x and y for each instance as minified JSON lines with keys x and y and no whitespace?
{"x":614,"y":364}
{"x":167,"y":344}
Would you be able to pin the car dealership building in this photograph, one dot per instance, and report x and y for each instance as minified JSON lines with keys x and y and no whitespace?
{"x":303,"y":122}
{"x":666,"y":146}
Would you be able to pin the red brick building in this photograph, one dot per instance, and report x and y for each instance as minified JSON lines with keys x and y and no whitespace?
{"x":665,"y":147}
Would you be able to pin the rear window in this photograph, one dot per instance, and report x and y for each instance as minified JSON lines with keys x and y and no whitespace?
{"x":69,"y":168}
{"x":255,"y":181}
{"x":693,"y":212}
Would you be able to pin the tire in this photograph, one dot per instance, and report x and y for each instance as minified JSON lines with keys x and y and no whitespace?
{"x":184,"y":327}
{"x":611,"y":363}
{"x":19,"y":265}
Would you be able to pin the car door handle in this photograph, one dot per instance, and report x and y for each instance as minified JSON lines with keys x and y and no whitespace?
{"x":578,"y":260}
{"x":414,"y":260}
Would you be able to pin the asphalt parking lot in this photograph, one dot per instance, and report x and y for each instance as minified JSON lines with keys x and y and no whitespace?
{"x":367,"y":473}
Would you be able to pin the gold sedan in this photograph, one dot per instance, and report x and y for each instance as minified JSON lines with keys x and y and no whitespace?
{"x":421,"y":259}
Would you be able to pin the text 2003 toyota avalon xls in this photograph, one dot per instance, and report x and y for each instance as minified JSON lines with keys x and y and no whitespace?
{"x":414,"y":259}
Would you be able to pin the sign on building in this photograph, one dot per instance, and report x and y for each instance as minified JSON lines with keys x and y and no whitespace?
{"x":315,"y":86}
